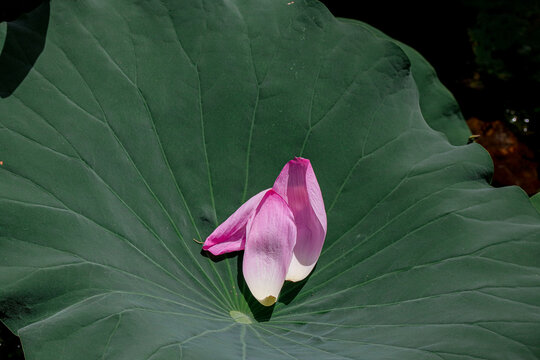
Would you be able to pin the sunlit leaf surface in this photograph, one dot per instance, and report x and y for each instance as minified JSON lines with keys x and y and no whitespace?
{"x":142,"y":125}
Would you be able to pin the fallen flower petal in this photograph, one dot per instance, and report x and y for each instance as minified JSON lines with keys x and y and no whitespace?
{"x":231,"y":234}
{"x":271,"y":235}
{"x":282,"y":231}
{"x":298,"y":186}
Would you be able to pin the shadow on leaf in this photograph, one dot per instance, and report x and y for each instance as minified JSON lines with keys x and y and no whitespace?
{"x":291,"y":289}
{"x":217,"y":258}
{"x":260,"y":313}
{"x":25,"y":40}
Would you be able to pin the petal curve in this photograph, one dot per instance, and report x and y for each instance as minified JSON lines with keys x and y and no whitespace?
{"x":271,"y":235}
{"x":298,"y":186}
{"x":231,"y":234}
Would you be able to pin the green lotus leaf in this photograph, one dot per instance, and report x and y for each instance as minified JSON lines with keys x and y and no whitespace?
{"x":439,"y":107}
{"x":129,"y":129}
{"x":535,"y":199}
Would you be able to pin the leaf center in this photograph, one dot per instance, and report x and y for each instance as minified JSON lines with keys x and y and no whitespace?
{"x":240,"y":317}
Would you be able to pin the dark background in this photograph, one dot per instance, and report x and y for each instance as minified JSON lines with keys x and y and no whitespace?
{"x":486,"y":52}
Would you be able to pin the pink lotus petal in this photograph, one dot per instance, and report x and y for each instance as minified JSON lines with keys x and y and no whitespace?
{"x":271,"y":235}
{"x":298,"y":186}
{"x":231,"y":234}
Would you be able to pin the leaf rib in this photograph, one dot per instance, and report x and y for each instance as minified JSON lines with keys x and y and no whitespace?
{"x":355,"y":342}
{"x":111,"y":336}
{"x":215,"y":315}
{"x":119,"y":236}
{"x":271,"y":345}
{"x":303,"y":344}
{"x":150,"y":117}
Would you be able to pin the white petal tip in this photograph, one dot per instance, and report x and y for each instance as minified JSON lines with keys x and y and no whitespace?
{"x":297,"y":271}
{"x":268,"y":301}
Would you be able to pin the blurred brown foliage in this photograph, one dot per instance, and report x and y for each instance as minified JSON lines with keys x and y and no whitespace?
{"x":514,"y":161}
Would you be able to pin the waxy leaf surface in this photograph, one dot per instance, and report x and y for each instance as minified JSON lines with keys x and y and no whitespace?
{"x":130,"y":128}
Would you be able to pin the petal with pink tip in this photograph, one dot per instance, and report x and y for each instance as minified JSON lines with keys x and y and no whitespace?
{"x":231,"y":234}
{"x":298,"y":186}
{"x":271,"y":235}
